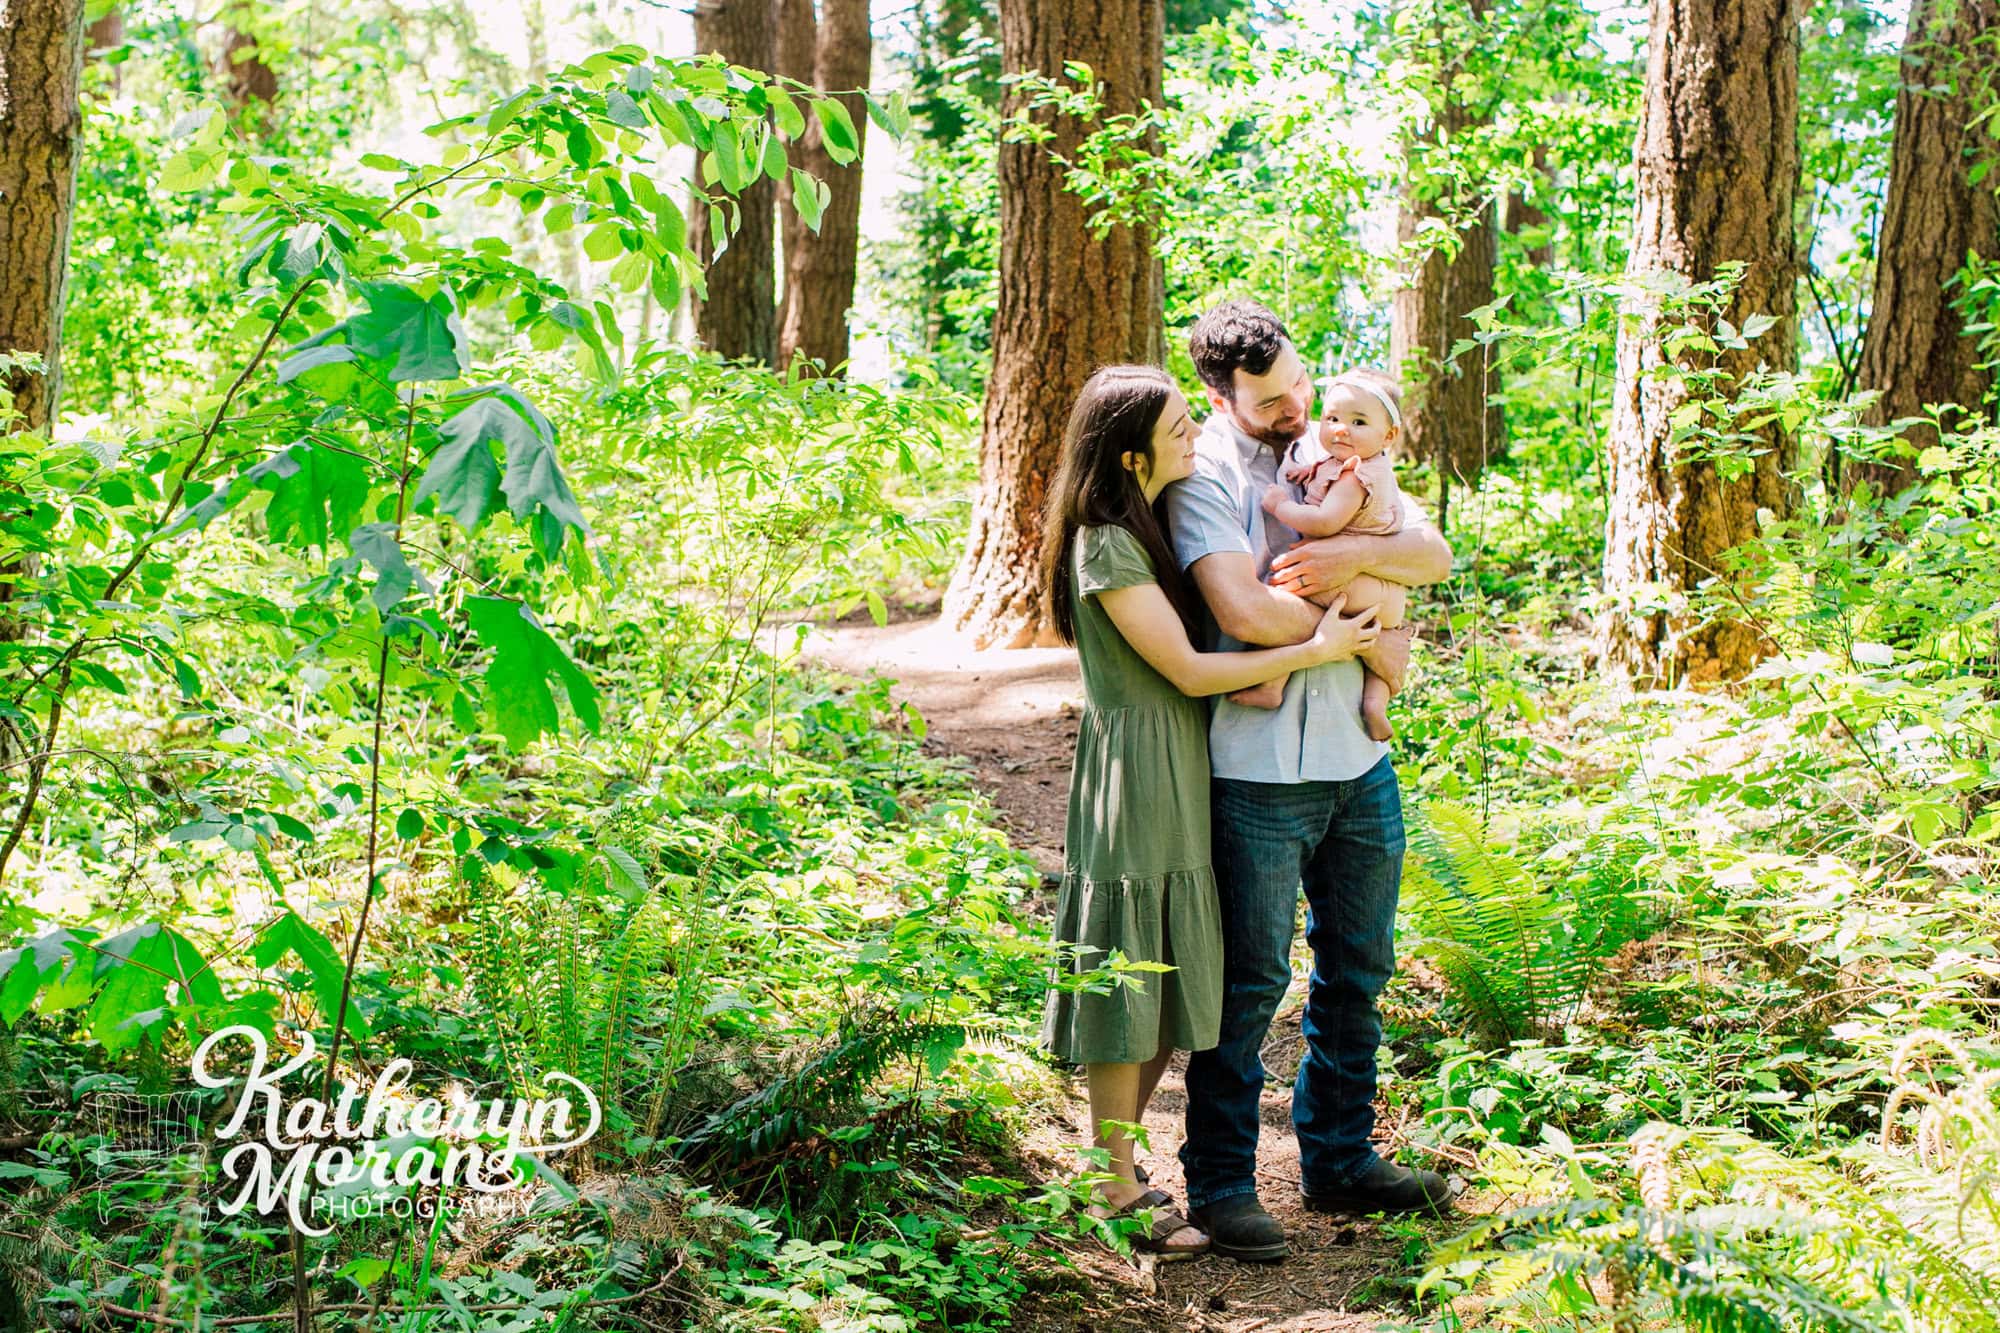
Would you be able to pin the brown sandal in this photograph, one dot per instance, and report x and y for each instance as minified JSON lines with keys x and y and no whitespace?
{"x":1165,"y":1222}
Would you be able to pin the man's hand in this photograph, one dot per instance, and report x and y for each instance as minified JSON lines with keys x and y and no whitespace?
{"x":1317,"y":569}
{"x":1390,"y":657}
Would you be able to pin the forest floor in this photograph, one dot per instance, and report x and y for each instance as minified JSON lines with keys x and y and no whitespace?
{"x":1012,"y":716}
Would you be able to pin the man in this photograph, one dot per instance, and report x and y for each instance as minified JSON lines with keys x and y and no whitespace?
{"x":1301,"y":797}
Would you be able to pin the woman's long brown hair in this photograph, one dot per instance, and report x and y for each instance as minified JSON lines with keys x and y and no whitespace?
{"x":1115,"y":413}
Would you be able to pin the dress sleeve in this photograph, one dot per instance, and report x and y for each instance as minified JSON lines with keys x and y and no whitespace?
{"x":1359,"y":469}
{"x":1111,"y":557}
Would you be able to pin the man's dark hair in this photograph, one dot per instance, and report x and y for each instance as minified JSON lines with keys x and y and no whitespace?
{"x":1234,"y":334}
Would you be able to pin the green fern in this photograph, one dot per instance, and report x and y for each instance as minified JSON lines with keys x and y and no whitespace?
{"x":1752,"y":1239}
{"x":1518,"y":954}
{"x":784,"y":1111}
{"x":603,"y":983}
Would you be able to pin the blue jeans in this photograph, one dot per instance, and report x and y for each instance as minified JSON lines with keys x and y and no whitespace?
{"x":1343,"y":841}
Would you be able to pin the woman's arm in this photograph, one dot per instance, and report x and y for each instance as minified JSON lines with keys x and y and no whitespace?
{"x":1150,"y":624}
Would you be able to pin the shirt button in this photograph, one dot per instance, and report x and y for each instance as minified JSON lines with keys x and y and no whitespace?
{"x":1315,"y":694}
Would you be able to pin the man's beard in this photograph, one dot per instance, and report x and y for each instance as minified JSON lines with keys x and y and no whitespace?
{"x":1277,"y":439}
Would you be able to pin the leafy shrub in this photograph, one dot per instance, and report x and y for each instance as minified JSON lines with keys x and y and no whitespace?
{"x":1519,"y":953}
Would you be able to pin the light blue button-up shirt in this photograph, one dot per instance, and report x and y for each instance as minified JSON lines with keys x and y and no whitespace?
{"x":1317,"y":735}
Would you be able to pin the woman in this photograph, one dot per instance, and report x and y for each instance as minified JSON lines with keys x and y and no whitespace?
{"x":1136,"y":878}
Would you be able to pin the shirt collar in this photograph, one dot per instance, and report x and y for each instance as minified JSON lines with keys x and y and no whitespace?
{"x":1247,"y":449}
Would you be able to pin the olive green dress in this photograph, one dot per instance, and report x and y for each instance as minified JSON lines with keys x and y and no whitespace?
{"x":1136,"y":875}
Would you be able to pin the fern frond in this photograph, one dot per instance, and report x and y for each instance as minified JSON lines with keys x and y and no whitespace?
{"x":1518,"y":954}
{"x":780,"y":1113}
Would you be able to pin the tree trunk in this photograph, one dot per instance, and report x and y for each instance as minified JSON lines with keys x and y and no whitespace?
{"x":739,"y":318}
{"x":41,"y":64}
{"x":1068,"y":303}
{"x":1447,"y":418}
{"x":104,"y":36}
{"x":41,"y":128}
{"x":1523,"y":214}
{"x":1717,"y":165}
{"x":1916,"y":350}
{"x":252,"y":84}
{"x":820,"y":269}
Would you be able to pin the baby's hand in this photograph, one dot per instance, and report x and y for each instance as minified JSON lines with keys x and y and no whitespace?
{"x":1275,"y":496}
{"x":1296,"y":473}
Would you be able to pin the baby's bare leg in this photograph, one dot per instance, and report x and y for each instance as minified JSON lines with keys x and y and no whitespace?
{"x":1375,"y":707}
{"x":1392,"y":600}
{"x":1270,"y":694}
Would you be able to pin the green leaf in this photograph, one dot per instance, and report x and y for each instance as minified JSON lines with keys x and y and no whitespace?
{"x":524,"y":659}
{"x":293,"y":934}
{"x":774,"y":158}
{"x":363,"y":1273}
{"x":570,"y":316}
{"x":729,"y":158}
{"x":70,"y":989}
{"x":602,"y":243}
{"x":423,"y":336}
{"x":315,"y":492}
{"x":395,"y":575}
{"x":136,"y":968}
{"x":805,"y":197}
{"x":622,"y":110}
{"x":836,"y":129}
{"x":301,"y":253}
{"x":20,"y":978}
{"x":629,"y":274}
{"x":462,"y":474}
{"x":504,"y":115}
{"x":670,"y":226}
{"x":333,"y":362}
{"x":192,"y":169}
{"x":626,"y":874}
{"x":791,"y":123}
{"x":941,"y":1048}
{"x":197,"y":166}
{"x":46,"y":1177}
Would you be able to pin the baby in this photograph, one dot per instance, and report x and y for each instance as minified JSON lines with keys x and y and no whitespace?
{"x":1348,"y":484}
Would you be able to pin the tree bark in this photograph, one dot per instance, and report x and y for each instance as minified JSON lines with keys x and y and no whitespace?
{"x":1448,"y":419}
{"x":41,"y":128}
{"x":739,"y":318}
{"x":1916,"y":351}
{"x":1068,"y":303}
{"x":820,"y":269}
{"x":251,"y":83}
{"x":1717,"y":165}
{"x":1523,"y":214}
{"x":107,"y":35}
{"x":41,"y":64}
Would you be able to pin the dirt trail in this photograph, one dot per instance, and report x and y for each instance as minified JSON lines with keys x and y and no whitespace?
{"x":1013,"y":716}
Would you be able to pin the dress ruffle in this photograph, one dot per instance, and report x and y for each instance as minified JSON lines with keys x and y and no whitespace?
{"x":1173,"y":919}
